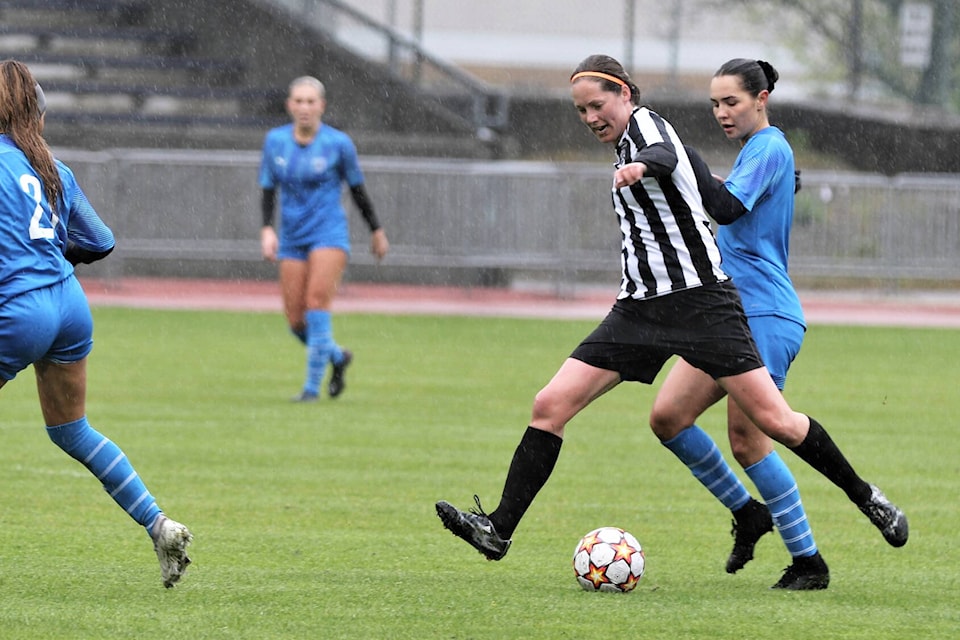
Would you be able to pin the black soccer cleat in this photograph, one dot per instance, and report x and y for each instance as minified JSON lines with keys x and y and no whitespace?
{"x":809,"y":573}
{"x":337,"y":384}
{"x":887,"y":517}
{"x":474,"y":527}
{"x":751,"y":521}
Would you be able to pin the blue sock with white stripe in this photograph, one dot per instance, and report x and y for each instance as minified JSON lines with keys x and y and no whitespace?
{"x":700,"y":453}
{"x":110,"y":465}
{"x":320,"y":348}
{"x":776,"y":484}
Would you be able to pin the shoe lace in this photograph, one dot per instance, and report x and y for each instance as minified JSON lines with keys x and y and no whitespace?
{"x":479,"y":510}
{"x":878,"y":509}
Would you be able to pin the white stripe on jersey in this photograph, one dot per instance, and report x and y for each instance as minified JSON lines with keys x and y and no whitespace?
{"x":667,"y":244}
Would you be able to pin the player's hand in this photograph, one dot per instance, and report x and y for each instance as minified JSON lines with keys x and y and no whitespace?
{"x":379,"y":245}
{"x":628,"y":174}
{"x":268,"y":244}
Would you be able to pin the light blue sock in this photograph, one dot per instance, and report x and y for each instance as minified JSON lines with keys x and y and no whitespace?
{"x":779,"y":490}
{"x":110,"y":465}
{"x":320,"y":348}
{"x":700,"y":453}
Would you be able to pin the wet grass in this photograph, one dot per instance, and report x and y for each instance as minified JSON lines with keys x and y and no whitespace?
{"x":317,"y":521}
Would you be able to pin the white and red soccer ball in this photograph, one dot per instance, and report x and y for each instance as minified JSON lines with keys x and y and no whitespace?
{"x":608,"y":559}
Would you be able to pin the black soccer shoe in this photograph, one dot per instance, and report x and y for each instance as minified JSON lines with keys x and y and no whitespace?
{"x":751,"y":521}
{"x":337,"y":384}
{"x":809,"y":573}
{"x":887,"y":517}
{"x":474,"y":527}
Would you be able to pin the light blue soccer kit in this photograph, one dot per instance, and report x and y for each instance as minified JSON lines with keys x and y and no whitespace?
{"x":44,"y":314}
{"x":755,"y":250}
{"x":310,"y":179}
{"x":312,"y":216}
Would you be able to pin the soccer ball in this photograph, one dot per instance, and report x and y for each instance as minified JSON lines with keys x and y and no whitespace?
{"x":608,"y":559}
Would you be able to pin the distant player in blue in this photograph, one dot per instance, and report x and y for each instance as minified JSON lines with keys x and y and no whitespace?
{"x":46,"y":227}
{"x":754,"y":207}
{"x":308,"y":161}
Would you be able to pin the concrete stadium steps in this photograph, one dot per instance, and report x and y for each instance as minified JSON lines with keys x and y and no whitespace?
{"x":72,"y":13}
{"x":100,"y":68}
{"x":144,"y":70}
{"x":147,"y":74}
{"x":67,"y":96}
{"x":17,"y":39}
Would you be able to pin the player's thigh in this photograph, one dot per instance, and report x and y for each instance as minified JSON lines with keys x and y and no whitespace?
{"x":62,"y":388}
{"x":684,"y":395}
{"x":575,"y":385}
{"x":758,"y":397}
{"x":748,"y":443}
{"x":293,"y":289}
{"x":326,"y":267}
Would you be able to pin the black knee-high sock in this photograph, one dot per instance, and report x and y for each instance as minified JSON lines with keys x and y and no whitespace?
{"x":820,"y":452}
{"x":532,"y":464}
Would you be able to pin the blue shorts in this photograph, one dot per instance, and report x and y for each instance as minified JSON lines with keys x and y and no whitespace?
{"x":778,"y":341}
{"x":303,"y":251}
{"x":53,"y":323}
{"x":331,"y":236}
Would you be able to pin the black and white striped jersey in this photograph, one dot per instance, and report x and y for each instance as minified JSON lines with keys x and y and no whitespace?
{"x":667,"y":241}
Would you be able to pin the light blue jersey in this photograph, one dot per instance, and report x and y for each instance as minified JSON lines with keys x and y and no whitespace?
{"x":310,"y":179}
{"x":32,"y":239}
{"x":755,"y":247}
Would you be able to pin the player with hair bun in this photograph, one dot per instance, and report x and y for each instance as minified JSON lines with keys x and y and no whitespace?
{"x":754,"y":208}
{"x":674,"y":299}
{"x":46,"y":227}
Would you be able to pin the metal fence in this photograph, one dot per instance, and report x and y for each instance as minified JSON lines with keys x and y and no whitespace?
{"x":193,"y":213}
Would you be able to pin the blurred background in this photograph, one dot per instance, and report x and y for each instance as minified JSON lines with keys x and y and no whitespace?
{"x":478,"y":164}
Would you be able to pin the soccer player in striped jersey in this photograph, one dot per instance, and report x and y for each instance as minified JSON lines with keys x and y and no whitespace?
{"x":46,"y":227}
{"x":675,"y":299}
{"x":308,"y":161}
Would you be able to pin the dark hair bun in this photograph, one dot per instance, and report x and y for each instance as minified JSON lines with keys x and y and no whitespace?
{"x":770,"y":73}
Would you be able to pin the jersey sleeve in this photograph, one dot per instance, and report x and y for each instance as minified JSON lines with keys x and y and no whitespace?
{"x":85,"y":228}
{"x":754,"y":173}
{"x":267,"y":179}
{"x":352,"y":174}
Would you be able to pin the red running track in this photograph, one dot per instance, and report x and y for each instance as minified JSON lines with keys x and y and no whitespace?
{"x":910,"y":309}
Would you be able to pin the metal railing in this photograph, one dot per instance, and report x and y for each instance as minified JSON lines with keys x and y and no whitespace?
{"x":172,"y":210}
{"x":483,"y":106}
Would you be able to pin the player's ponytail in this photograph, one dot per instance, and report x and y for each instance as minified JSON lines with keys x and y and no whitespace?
{"x":22,"y":106}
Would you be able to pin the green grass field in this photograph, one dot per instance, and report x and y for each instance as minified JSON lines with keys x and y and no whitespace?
{"x":318,"y":521}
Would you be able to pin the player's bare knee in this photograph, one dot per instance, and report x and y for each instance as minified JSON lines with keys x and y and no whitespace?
{"x":551,"y":410}
{"x":667,"y":422}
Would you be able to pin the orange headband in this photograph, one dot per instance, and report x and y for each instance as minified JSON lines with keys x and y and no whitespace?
{"x":597,"y":74}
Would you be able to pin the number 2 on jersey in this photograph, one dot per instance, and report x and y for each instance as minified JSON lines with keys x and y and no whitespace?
{"x":31,"y":186}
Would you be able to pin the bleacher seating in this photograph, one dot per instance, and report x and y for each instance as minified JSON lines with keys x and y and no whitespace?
{"x":140,"y":73}
{"x":110,"y":80}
